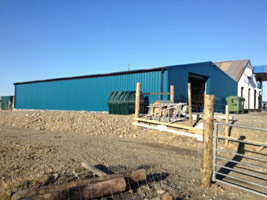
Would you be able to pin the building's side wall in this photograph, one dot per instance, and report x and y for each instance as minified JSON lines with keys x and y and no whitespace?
{"x":85,"y":94}
{"x":249,"y":84}
{"x":218,"y":83}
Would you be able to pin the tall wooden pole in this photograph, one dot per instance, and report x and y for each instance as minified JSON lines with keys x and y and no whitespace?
{"x":206,"y":165}
{"x":172,"y":93}
{"x":190,"y":105}
{"x":227,"y":122}
{"x":137,"y":100}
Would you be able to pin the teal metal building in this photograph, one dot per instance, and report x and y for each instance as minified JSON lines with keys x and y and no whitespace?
{"x":91,"y":92}
{"x":6,"y":102}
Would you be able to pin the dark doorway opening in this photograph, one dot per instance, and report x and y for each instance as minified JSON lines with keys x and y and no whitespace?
{"x":242,"y":89}
{"x":198,"y":90}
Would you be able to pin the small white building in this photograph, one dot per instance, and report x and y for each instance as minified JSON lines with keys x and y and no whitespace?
{"x":242,"y":72}
{"x":261,"y":76}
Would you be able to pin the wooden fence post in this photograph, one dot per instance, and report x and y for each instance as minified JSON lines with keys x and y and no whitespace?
{"x":13,"y":103}
{"x":172,"y":93}
{"x":137,"y":100}
{"x":226,"y":121}
{"x":206,"y":165}
{"x":190,"y":105}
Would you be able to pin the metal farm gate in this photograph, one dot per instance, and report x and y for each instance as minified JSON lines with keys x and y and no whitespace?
{"x":242,"y":164}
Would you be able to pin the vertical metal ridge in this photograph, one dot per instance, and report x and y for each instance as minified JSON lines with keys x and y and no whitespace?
{"x":83,"y":94}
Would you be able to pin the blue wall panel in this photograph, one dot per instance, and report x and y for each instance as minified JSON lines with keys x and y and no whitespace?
{"x":92,"y":93}
{"x":85,"y":94}
{"x":218,"y":83}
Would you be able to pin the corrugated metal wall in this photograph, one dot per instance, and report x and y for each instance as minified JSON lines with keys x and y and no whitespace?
{"x":92,"y":93}
{"x":85,"y":94}
{"x":218,"y":83}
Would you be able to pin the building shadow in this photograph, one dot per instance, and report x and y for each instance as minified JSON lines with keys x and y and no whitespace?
{"x":231,"y":127}
{"x":230,"y":164}
{"x":197,"y":120}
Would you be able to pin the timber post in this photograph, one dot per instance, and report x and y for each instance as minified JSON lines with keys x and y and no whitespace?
{"x":206,"y":165}
{"x":172,"y":93}
{"x":190,"y":104}
{"x":137,"y":100}
{"x":226,"y":121}
{"x":13,"y":103}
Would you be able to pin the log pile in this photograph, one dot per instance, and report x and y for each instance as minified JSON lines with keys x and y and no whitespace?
{"x":103,"y":185}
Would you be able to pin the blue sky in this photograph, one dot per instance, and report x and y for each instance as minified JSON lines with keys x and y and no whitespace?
{"x":46,"y":39}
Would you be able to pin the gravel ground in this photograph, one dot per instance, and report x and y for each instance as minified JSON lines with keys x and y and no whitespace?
{"x":45,"y":147}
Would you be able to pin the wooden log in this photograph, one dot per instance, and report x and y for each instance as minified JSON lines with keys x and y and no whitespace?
{"x":134,"y":175}
{"x":227,"y":122}
{"x":172,"y":93}
{"x":191,"y":129}
{"x":190,"y":105}
{"x":86,"y":189}
{"x":206,"y":165}
{"x":93,"y":169}
{"x":137,"y":100}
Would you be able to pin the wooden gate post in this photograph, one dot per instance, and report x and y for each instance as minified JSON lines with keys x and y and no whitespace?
{"x":190,"y":104}
{"x":137,"y":100}
{"x":172,"y":93}
{"x":226,"y":121}
{"x":206,"y":165}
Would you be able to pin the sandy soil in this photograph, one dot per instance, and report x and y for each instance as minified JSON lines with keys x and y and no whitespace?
{"x":33,"y":148}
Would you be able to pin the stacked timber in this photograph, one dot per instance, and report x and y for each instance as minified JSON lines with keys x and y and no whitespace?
{"x":103,"y":185}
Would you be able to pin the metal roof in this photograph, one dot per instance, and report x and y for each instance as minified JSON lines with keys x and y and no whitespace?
{"x":234,"y":68}
{"x":115,"y":73}
{"x":96,"y":75}
{"x":261,"y":72}
{"x":106,"y":74}
{"x":260,"y":69}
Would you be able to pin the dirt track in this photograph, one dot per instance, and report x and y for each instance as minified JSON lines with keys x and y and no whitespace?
{"x":27,"y":155}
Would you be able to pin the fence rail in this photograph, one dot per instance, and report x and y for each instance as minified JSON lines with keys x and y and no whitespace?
{"x":248,"y":176}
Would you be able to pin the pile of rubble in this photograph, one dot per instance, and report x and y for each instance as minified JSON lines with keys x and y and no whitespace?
{"x":83,"y":122}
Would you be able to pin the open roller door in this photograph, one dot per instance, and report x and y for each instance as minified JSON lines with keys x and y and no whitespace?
{"x":198,"y":90}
